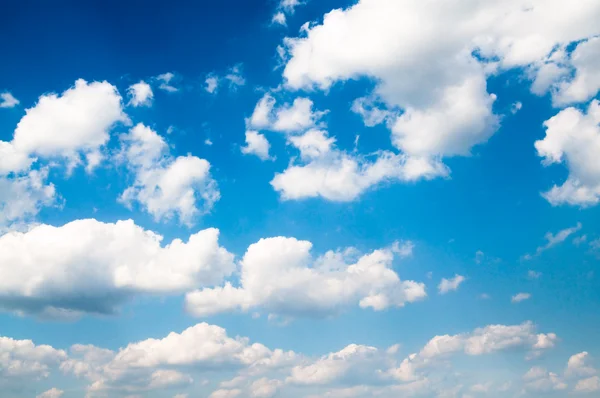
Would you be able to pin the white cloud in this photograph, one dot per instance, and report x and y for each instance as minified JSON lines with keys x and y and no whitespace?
{"x":584,"y":65}
{"x":211,"y":84}
{"x":165,"y":80}
{"x":578,"y":365}
{"x":433,"y":75}
{"x":288,"y":118}
{"x":591,"y":384}
{"x":354,"y":363}
{"x":534,"y":274}
{"x":517,"y":298}
{"x":8,"y":100}
{"x":448,"y":285}
{"x":158,"y":363}
{"x":540,"y":380}
{"x":89,"y":266}
{"x":235,"y":78}
{"x":265,"y":388}
{"x":279,"y":18}
{"x":553,"y":240}
{"x":256,"y":144}
{"x":52,"y":393}
{"x":280,"y":276}
{"x":225,"y":393}
{"x":573,"y":137}
{"x":371,"y":114}
{"x":23,"y":196}
{"x":324,"y":171}
{"x":23,"y":360}
{"x":71,"y":125}
{"x":516,"y":107}
{"x":166,"y":186}
{"x":140,"y":94}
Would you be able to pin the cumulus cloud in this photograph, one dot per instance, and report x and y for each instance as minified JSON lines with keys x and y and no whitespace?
{"x":578,"y":76}
{"x":433,"y":76}
{"x":52,"y":393}
{"x":280,"y":276}
{"x":94,"y":267}
{"x":327,"y":172}
{"x":73,"y":126}
{"x":256,"y":144}
{"x":23,"y":196}
{"x":140,"y":94}
{"x":482,"y":341}
{"x":166,"y":186}
{"x":211,"y":83}
{"x":7,"y":100}
{"x":591,"y":384}
{"x":296,"y":117}
{"x":538,"y":379}
{"x":157,"y":363}
{"x":579,"y":365}
{"x":23,"y":360}
{"x":448,"y":285}
{"x":573,"y":137}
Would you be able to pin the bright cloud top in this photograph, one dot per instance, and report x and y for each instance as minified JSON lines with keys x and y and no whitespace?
{"x":280,"y":276}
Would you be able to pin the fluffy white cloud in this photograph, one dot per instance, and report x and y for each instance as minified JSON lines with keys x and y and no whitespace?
{"x":22,"y":196}
{"x":327,"y":172}
{"x":435,"y":72}
{"x":448,"y":285}
{"x":287,"y":118}
{"x":353,"y":363}
{"x":166,"y":186}
{"x":280,"y":276}
{"x":140,"y":94}
{"x":256,"y":144}
{"x":71,"y":125}
{"x":591,"y":384}
{"x":7,"y":100}
{"x":89,"y":266}
{"x":265,"y":388}
{"x":156,"y":363}
{"x":166,"y":82}
{"x":52,"y":393}
{"x":279,"y":18}
{"x":573,"y":137}
{"x":24,"y":359}
{"x":577,"y":74}
{"x":482,"y":341}
{"x":578,"y":365}
{"x":540,"y":380}
{"x":517,"y":298}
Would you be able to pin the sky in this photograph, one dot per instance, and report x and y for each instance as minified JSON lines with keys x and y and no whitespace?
{"x":300,"y":198}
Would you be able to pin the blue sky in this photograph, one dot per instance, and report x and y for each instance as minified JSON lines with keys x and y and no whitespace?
{"x":299,"y":199}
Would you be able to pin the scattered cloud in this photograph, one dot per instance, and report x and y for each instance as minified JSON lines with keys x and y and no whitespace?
{"x":140,"y":94}
{"x":517,"y":298}
{"x":94,"y":267}
{"x":553,"y":240}
{"x":166,"y":186}
{"x":7,"y":100}
{"x":256,"y":144}
{"x":450,"y":285}
{"x":166,"y":81}
{"x":280,"y":276}
{"x":573,"y":137}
